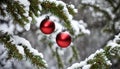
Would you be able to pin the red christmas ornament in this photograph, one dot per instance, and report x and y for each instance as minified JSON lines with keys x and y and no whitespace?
{"x":63,"y":39}
{"x":47,"y":26}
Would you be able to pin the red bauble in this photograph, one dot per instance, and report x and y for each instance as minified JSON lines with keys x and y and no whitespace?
{"x":63,"y":39}
{"x":47,"y":26}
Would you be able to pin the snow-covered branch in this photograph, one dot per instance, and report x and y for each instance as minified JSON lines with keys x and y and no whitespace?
{"x":20,"y":48}
{"x":101,"y":58}
{"x":23,"y":12}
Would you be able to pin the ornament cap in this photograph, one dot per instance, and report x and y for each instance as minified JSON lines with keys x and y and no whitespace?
{"x":47,"y":17}
{"x":64,"y":30}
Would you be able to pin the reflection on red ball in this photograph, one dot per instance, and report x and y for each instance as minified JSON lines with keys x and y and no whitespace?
{"x":63,"y":39}
{"x":47,"y":26}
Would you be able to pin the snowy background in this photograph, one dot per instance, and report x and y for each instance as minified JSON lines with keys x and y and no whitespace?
{"x":86,"y":45}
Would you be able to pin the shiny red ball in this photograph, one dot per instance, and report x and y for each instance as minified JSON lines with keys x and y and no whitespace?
{"x":47,"y":26}
{"x":63,"y":39}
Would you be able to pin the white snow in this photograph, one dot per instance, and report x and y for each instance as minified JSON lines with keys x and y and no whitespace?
{"x":3,"y":57}
{"x":4,"y":6}
{"x":89,"y":1}
{"x":113,"y":43}
{"x":52,"y":0}
{"x":86,"y":66}
{"x":8,"y":64}
{"x":26,"y":14}
{"x":26,"y":6}
{"x":65,"y":10}
{"x":93,"y":55}
{"x":40,"y":7}
{"x":96,"y":14}
{"x":7,"y":28}
{"x":61,"y":51}
{"x":30,"y":19}
{"x":99,"y":14}
{"x":19,"y":28}
{"x":73,"y":7}
{"x":20,"y":49}
{"x":91,"y":9}
{"x":74,"y":66}
{"x":19,"y":40}
{"x":39,"y":20}
{"x":27,"y":26}
{"x":79,"y":27}
{"x":117,"y":25}
{"x":108,"y":62}
{"x":3,"y":52}
{"x":109,"y":11}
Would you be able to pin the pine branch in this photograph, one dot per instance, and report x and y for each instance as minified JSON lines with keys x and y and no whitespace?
{"x":60,"y":11}
{"x":111,"y":2}
{"x":60,"y":63}
{"x":34,"y":8}
{"x":72,"y":9}
{"x":2,"y":11}
{"x":14,"y":52}
{"x":107,"y":15}
{"x":16,"y":10}
{"x":116,"y":8}
{"x":56,"y":54}
{"x":35,"y":59}
{"x":75,"y":54}
{"x":22,"y":16}
{"x":101,"y":58}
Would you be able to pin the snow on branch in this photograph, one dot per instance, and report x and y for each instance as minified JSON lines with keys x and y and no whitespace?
{"x":93,"y":61}
{"x":113,"y":46}
{"x":63,"y":11}
{"x":115,"y":42}
{"x":23,"y":12}
{"x":20,"y":48}
{"x":100,"y":59}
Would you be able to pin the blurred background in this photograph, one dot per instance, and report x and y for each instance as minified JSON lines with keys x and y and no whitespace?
{"x":102,"y":25}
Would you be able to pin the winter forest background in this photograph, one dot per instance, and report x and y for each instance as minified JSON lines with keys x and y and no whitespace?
{"x":95,"y":24}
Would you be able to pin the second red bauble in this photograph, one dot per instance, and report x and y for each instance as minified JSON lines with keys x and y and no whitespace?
{"x":63,"y":39}
{"x":47,"y":26}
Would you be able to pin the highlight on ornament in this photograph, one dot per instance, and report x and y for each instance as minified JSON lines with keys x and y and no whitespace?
{"x":63,"y":39}
{"x":47,"y":26}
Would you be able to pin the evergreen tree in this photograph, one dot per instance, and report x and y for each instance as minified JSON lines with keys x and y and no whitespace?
{"x":19,"y":16}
